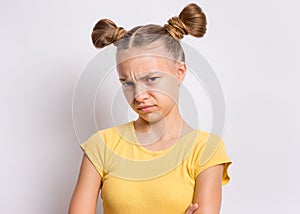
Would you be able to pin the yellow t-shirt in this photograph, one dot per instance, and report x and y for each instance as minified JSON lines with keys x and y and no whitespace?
{"x":137,"y":180}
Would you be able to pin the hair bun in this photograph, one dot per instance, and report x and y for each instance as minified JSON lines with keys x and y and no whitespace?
{"x":191,"y":21}
{"x":106,"y":32}
{"x":176,"y":28}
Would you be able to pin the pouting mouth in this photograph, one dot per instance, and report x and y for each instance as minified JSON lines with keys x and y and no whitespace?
{"x":148,"y":106}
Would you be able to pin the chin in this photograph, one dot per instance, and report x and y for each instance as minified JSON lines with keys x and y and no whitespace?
{"x":152,"y":117}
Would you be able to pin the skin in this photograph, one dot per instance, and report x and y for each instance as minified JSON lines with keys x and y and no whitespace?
{"x":85,"y":195}
{"x":154,"y":82}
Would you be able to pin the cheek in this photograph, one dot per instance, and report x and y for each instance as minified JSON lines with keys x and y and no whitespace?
{"x":168,"y":88}
{"x":129,"y":95}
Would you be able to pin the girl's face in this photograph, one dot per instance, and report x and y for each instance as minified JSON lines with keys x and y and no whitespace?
{"x":151,"y":85}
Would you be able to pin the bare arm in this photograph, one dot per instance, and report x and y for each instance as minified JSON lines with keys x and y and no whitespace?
{"x":208,"y":190}
{"x":85,"y":196}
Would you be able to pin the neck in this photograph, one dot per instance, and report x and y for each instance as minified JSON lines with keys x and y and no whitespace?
{"x":169,"y":127}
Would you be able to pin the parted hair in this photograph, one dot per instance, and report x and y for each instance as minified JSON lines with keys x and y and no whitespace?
{"x":191,"y":21}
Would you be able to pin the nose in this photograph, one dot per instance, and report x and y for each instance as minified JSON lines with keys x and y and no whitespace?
{"x":141,"y":93}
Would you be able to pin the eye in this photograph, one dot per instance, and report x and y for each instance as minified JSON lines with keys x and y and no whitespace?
{"x":151,"y":79}
{"x":127,"y":83}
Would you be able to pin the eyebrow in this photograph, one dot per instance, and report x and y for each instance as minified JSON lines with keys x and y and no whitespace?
{"x":142,"y":76}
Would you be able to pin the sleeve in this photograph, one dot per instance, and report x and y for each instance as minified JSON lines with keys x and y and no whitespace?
{"x":212,"y":153}
{"x":93,"y":148}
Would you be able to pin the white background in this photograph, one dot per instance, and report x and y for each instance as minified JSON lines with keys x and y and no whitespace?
{"x":253,"y":46}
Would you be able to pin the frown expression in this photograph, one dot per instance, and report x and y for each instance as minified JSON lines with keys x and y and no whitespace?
{"x":151,"y":85}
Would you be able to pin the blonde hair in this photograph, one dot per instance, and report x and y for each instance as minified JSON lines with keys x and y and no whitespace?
{"x":191,"y":20}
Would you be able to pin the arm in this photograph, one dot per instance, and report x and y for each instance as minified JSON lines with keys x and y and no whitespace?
{"x":208,"y":190}
{"x":85,"y":196}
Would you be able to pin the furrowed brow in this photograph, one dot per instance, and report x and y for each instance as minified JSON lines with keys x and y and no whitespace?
{"x":149,"y":74}
{"x":142,"y":76}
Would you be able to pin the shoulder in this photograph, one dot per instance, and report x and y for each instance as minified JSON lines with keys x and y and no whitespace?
{"x":204,"y":138}
{"x":209,"y":151}
{"x":109,"y":135}
{"x":202,"y":144}
{"x":116,"y":133}
{"x":208,"y":144}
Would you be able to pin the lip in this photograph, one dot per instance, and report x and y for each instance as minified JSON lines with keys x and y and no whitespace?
{"x":146,"y":108}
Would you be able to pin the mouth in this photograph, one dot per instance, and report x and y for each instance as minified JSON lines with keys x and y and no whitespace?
{"x":146,"y":108}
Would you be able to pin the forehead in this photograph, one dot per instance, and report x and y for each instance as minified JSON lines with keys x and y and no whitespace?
{"x":142,"y":64}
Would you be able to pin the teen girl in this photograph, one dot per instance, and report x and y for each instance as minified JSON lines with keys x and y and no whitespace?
{"x":151,"y":164}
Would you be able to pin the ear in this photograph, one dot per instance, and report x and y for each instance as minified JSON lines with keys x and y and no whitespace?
{"x":180,"y":71}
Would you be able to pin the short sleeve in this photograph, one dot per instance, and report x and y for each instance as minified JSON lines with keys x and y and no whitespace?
{"x":210,"y":154}
{"x":93,"y":147}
